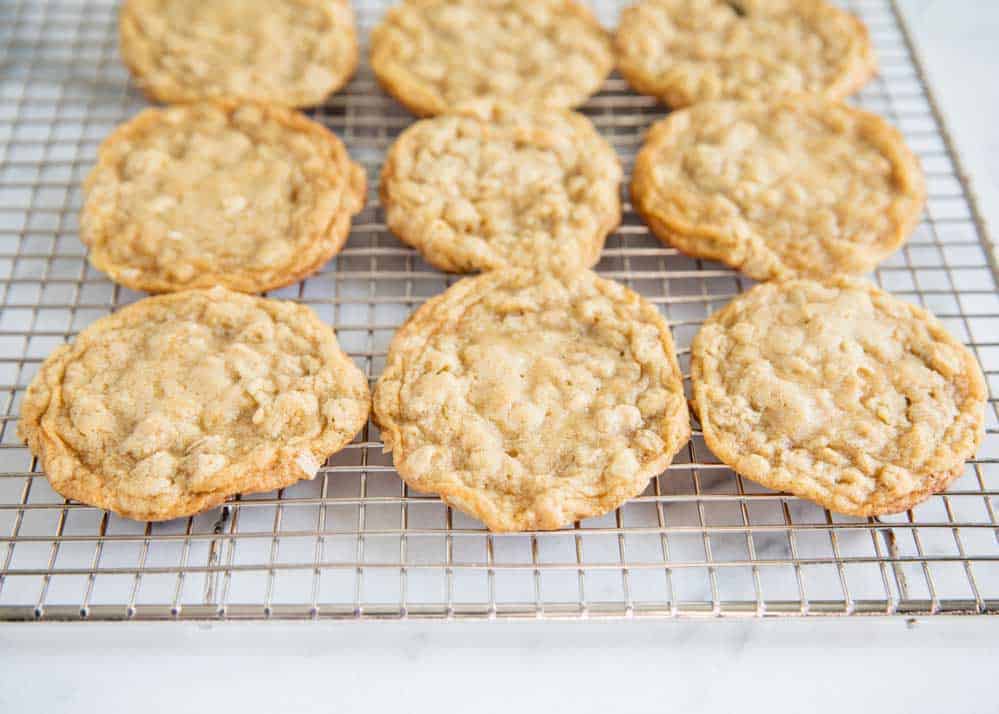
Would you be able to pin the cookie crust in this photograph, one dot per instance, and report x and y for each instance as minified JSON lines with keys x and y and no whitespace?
{"x":289,"y":52}
{"x":242,"y":195}
{"x":531,"y":400}
{"x":838,"y":393}
{"x":177,"y":402}
{"x":798,"y":188}
{"x":432,"y":55}
{"x":491,"y":186}
{"x":688,"y":51}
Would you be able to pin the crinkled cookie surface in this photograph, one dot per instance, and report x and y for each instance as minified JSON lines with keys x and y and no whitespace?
{"x":492,"y":185}
{"x":173,"y":404}
{"x":690,"y":51}
{"x":288,"y":52}
{"x":531,"y":401}
{"x":801,"y":187}
{"x":838,"y":393}
{"x":432,"y":55}
{"x":242,"y":195}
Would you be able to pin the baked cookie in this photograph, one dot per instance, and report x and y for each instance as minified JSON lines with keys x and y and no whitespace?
{"x":492,"y":186}
{"x":289,"y":52}
{"x":689,"y":51}
{"x":532,"y":400}
{"x":432,"y":55}
{"x":247,"y":196}
{"x":802,"y":187}
{"x":177,"y":402}
{"x":838,"y":393}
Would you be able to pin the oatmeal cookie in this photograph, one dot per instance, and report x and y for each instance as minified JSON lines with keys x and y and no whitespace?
{"x":243,"y":195}
{"x":838,"y":393}
{"x":802,"y":187}
{"x":689,"y":51}
{"x":432,"y":55}
{"x":492,"y":185}
{"x":532,"y":400}
{"x":177,"y":402}
{"x":289,"y":52}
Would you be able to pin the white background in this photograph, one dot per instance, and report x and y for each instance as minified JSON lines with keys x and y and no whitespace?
{"x":629,"y":667}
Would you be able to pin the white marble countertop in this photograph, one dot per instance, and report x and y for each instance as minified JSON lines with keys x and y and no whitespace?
{"x":956,"y":39}
{"x":633,"y":667}
{"x":630,"y":667}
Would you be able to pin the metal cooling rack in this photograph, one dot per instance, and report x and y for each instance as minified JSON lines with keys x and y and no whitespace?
{"x":356,"y":543}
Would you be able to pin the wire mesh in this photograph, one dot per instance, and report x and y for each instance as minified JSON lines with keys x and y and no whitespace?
{"x":357,"y":543}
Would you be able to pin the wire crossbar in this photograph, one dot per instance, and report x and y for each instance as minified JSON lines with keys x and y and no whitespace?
{"x":356,"y":543}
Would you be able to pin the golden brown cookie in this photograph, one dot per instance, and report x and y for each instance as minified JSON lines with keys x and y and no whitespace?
{"x":802,"y":187}
{"x":432,"y":55}
{"x":177,"y":402}
{"x":493,"y":185}
{"x":838,"y":393}
{"x":531,"y":400}
{"x":288,"y":52}
{"x":690,"y":51}
{"x":246,"y":196}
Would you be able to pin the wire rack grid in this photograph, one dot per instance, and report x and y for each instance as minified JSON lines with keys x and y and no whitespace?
{"x":355,"y":542}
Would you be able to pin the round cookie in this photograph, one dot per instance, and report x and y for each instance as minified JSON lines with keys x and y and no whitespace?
{"x":838,"y":393}
{"x":531,"y":400}
{"x":801,"y":187}
{"x":432,"y":55}
{"x":492,"y":186}
{"x":171,"y":405}
{"x":689,"y":51}
{"x":247,"y":196}
{"x":288,"y":52}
